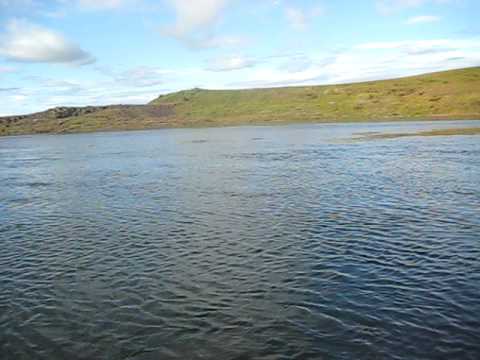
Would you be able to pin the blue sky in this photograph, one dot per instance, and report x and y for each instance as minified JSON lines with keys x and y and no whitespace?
{"x":92,"y":52}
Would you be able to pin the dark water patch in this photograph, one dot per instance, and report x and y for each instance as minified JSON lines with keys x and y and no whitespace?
{"x":32,"y":184}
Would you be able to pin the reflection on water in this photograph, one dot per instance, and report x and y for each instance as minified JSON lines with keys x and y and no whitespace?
{"x":240,"y":243}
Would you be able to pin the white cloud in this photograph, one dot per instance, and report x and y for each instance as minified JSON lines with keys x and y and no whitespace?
{"x":231,"y":63}
{"x":370,"y":61}
{"x":422,"y":19}
{"x":297,"y":63}
{"x":26,"y":42}
{"x":299,"y":18}
{"x":142,"y":76}
{"x":195,"y":24}
{"x":208,"y":41}
{"x":198,"y":15}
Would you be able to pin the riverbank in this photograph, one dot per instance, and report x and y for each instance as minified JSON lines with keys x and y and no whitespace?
{"x":448,"y":95}
{"x":437,"y":132}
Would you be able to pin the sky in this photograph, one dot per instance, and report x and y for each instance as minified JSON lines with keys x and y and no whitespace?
{"x":96,"y":52}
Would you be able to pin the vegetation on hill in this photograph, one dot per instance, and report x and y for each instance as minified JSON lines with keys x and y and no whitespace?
{"x":451,"y":94}
{"x":446,"y":95}
{"x":88,"y":119}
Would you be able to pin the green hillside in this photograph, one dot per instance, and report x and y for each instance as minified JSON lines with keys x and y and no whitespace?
{"x":445,"y":95}
{"x":451,"y":94}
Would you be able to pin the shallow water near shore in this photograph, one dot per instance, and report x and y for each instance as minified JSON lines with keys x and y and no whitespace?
{"x":287,"y":242}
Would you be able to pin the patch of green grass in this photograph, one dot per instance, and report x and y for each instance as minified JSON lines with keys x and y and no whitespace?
{"x":445,"y":95}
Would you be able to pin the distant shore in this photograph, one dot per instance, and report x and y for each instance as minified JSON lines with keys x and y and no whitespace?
{"x":438,"y":132}
{"x":448,"y":95}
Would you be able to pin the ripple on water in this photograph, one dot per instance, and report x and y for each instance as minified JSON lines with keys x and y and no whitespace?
{"x":138,"y":248}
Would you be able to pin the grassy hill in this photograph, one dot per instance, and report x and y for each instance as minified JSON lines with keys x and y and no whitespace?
{"x":444,"y":95}
{"x":88,"y":119}
{"x":451,"y":94}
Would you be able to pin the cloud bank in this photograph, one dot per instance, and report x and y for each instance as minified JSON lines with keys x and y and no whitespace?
{"x":27,"y":42}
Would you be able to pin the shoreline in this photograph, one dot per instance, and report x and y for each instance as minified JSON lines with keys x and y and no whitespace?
{"x":461,"y":131}
{"x":442,"y":96}
{"x":209,"y":125}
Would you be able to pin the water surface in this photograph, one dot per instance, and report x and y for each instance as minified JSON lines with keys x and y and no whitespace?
{"x":289,"y":242}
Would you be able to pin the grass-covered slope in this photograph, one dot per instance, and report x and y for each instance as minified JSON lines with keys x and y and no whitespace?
{"x":88,"y":119}
{"x":445,"y":95}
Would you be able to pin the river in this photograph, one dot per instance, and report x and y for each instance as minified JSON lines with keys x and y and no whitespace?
{"x":285,"y":242}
